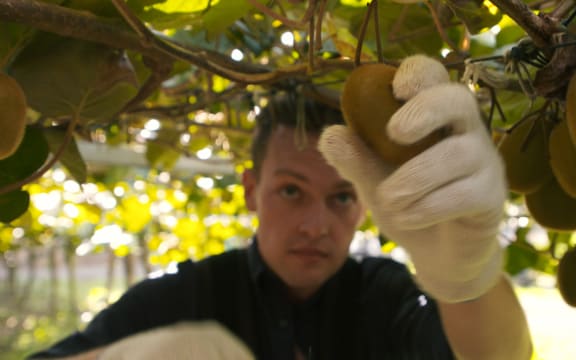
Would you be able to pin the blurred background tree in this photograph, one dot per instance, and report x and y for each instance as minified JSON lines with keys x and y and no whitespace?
{"x":127,"y":123}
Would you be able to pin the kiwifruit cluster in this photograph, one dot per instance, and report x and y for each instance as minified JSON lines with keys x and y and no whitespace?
{"x":540,"y":157}
{"x":12,"y":115}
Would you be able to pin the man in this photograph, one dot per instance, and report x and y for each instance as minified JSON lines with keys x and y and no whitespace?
{"x":295,"y":293}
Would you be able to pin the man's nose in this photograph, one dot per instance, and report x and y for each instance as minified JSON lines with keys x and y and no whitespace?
{"x":315,"y":221}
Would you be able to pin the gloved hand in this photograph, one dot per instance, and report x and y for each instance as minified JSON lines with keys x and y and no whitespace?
{"x":443,"y":206}
{"x":183,"y":341}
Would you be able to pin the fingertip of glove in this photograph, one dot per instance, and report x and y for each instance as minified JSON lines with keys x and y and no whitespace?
{"x":416,"y":73}
{"x":340,"y":145}
{"x":331,"y":138}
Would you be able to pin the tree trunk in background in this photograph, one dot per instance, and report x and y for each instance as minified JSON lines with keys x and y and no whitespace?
{"x":110,"y":273}
{"x":143,"y":255}
{"x":129,"y":270}
{"x":54,"y":282}
{"x":72,"y":285}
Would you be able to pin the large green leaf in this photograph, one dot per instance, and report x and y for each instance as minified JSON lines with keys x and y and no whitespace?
{"x":161,"y":20}
{"x":405,"y":30}
{"x":181,"y":6}
{"x":520,"y":256}
{"x":141,"y":4}
{"x":509,"y":35}
{"x":14,"y":38}
{"x":224,"y":14}
{"x":475,"y":14}
{"x":30,"y":156}
{"x":71,"y":158}
{"x":65,"y":77}
{"x":161,"y":156}
{"x":13,"y":205}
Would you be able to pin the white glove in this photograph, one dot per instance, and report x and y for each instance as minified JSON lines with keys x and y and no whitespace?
{"x":443,"y":206}
{"x":183,"y":341}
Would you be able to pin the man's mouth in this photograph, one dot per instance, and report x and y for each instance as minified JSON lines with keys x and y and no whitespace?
{"x":310,"y":253}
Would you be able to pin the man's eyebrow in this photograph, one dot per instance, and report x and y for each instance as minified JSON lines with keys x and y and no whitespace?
{"x":343,"y":184}
{"x":282,"y":171}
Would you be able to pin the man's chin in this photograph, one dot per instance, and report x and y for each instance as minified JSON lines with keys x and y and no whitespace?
{"x":305,"y":284}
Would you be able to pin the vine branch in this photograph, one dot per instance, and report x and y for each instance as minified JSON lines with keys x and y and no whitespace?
{"x":85,"y":26}
{"x":538,"y":27}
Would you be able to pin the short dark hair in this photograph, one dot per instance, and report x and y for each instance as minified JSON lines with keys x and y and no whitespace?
{"x":292,"y":110}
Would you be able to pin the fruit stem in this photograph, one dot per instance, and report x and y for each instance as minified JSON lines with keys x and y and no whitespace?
{"x":377,"y":31}
{"x":362,"y":34}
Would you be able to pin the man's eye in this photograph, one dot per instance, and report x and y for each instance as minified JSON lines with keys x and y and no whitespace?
{"x":345,"y":198}
{"x":290,"y":191}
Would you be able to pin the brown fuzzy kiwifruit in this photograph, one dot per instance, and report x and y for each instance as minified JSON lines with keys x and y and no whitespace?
{"x":551,"y":207}
{"x":566,"y":277}
{"x":12,"y":115}
{"x":563,"y":158}
{"x":368,"y":103}
{"x":525,"y":154}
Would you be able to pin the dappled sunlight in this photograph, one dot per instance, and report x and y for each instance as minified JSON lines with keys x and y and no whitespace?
{"x":552,"y":323}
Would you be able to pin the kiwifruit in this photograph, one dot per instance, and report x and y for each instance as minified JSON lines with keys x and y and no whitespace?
{"x":571,"y":108}
{"x":525,"y":154}
{"x":563,"y":158}
{"x":368,"y":102}
{"x":551,"y":207}
{"x":566,"y":277}
{"x":12,"y":115}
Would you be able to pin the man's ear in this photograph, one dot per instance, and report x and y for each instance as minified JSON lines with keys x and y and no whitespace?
{"x":249,"y":183}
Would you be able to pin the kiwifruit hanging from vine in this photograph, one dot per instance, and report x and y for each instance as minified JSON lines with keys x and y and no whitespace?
{"x":368,"y":103}
{"x":524,"y":150}
{"x":551,"y":207}
{"x":563,"y":158}
{"x":566,"y":277}
{"x":12,"y":115}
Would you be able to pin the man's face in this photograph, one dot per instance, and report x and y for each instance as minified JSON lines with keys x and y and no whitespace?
{"x":307,"y":213}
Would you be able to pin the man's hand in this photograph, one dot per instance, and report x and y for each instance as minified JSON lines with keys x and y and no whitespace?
{"x":444,"y":205}
{"x":184,"y":341}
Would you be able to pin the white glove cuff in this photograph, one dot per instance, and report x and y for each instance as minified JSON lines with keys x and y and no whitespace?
{"x":453,"y":289}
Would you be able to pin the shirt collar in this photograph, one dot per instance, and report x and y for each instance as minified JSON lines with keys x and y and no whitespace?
{"x":255,"y":263}
{"x":264,"y":278}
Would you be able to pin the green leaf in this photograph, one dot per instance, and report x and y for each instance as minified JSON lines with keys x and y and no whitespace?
{"x":14,"y":38}
{"x":180,"y":6}
{"x":71,"y":158}
{"x":29,"y":157}
{"x":63,"y":77}
{"x":224,"y":14}
{"x":474,"y":14}
{"x":175,"y":14}
{"x":161,"y":156}
{"x":519,"y":257}
{"x":161,"y":20}
{"x":405,"y":30}
{"x":13,"y":205}
{"x":509,"y":35}
{"x":141,"y":4}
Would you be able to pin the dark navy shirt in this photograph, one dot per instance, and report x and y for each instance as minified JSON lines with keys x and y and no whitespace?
{"x":370,"y":309}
